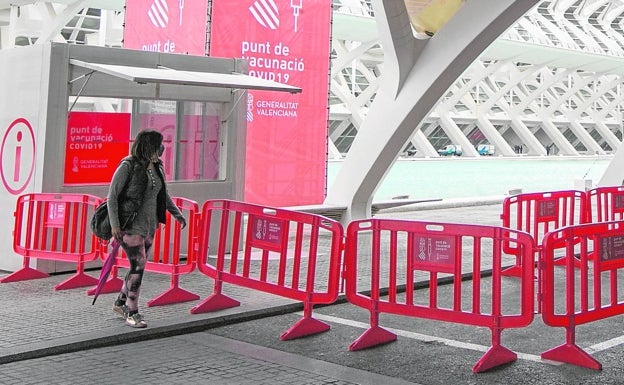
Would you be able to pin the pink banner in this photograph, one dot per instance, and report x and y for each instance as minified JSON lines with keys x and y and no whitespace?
{"x":95,"y":143}
{"x":169,"y":26}
{"x":286,"y":41}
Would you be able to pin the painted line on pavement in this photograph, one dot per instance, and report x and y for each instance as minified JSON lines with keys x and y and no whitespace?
{"x":608,"y":344}
{"x":428,"y":338}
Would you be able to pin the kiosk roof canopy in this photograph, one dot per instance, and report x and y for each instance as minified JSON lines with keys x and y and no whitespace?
{"x":144,"y":75}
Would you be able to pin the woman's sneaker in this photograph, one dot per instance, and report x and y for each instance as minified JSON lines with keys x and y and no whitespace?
{"x":136,"y":321}
{"x":120,"y":308}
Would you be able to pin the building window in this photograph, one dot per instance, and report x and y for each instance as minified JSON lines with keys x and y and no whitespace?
{"x":192,"y":137}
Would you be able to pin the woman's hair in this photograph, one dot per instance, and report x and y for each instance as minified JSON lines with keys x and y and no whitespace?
{"x":146,"y":143}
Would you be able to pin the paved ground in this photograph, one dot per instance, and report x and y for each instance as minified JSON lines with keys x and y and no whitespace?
{"x":58,"y":337}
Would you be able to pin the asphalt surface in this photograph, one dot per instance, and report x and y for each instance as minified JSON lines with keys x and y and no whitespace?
{"x":58,"y":337}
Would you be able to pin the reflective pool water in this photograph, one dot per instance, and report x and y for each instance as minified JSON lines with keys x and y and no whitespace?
{"x":464,"y":177}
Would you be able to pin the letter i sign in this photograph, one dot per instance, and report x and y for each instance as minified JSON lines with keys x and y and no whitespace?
{"x":17,"y":155}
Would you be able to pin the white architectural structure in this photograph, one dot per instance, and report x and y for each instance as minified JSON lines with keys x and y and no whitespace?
{"x":550,"y":82}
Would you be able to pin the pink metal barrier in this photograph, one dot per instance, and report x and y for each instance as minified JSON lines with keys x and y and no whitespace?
{"x":591,"y":292}
{"x":539,"y":213}
{"x":605,"y":204}
{"x":54,"y":227}
{"x":438,"y":250}
{"x":286,"y":253}
{"x":170,"y":242}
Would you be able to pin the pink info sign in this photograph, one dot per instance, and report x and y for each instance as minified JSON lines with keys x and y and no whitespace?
{"x":267,"y":233}
{"x":434,"y":253}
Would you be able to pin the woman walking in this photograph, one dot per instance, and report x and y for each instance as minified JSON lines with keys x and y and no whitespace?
{"x":137,"y":200}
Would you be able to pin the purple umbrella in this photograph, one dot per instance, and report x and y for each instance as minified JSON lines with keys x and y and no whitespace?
{"x":106,"y":268}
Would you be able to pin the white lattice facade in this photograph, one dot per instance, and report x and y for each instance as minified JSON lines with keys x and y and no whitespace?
{"x":550,"y":84}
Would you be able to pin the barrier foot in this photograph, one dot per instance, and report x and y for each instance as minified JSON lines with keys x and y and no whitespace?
{"x":563,"y":261}
{"x":76,"y":281}
{"x":24,"y":274}
{"x":513,"y":271}
{"x":572,"y":354}
{"x":215,"y":302}
{"x":372,"y":337}
{"x":172,"y":295}
{"x":113,"y":285}
{"x":306,"y":326}
{"x":495,"y":356}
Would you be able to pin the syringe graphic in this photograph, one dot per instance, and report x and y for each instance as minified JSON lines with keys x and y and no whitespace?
{"x":296,"y":6}
{"x":181,"y":8}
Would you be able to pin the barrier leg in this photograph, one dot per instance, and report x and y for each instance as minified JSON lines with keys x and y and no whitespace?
{"x":495,"y":356}
{"x":375,"y":335}
{"x":80,"y":279}
{"x":75,"y":281}
{"x":25,"y":273}
{"x":305,"y":326}
{"x":174,"y":294}
{"x":217,"y":301}
{"x":513,"y":271}
{"x":570,"y":353}
{"x":563,"y":261}
{"x":112,"y":285}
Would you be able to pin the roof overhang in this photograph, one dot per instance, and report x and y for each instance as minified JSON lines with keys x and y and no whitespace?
{"x":161,"y":75}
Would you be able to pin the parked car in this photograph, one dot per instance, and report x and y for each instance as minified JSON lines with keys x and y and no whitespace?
{"x":486,"y":149}
{"x":451,"y":149}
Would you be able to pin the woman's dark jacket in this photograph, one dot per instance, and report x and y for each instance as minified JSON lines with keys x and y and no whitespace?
{"x":131,"y":197}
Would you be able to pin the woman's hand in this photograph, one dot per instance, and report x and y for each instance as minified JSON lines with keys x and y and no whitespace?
{"x":117,"y":233}
{"x":181,"y":220}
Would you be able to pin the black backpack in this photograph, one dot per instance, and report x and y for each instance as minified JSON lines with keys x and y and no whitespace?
{"x":100,"y":225}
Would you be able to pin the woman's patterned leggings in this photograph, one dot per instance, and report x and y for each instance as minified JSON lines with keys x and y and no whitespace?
{"x":137,"y":248}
